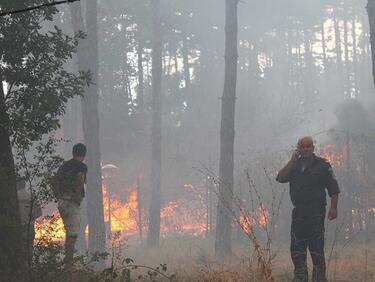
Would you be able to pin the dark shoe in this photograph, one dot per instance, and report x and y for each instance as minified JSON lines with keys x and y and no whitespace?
{"x":319,"y":280}
{"x":319,"y":276}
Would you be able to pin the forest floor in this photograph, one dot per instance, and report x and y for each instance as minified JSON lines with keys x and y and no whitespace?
{"x":192,"y":259}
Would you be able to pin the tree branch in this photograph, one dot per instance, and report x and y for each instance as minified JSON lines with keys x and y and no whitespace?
{"x":2,"y":14}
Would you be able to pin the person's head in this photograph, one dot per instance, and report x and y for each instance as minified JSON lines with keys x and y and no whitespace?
{"x":306,"y":146}
{"x":20,"y":184}
{"x":79,"y":151}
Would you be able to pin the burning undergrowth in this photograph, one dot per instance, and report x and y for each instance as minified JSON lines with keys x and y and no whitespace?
{"x":128,"y":218}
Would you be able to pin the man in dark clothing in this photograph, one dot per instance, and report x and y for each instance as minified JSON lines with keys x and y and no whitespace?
{"x":308,"y":176}
{"x":70,"y":192}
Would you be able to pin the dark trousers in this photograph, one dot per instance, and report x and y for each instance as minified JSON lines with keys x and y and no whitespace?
{"x":307,"y":231}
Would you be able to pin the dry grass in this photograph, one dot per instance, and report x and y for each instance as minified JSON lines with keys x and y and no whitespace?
{"x":193,"y":259}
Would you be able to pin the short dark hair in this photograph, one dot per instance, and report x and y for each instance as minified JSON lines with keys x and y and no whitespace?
{"x":79,"y":150}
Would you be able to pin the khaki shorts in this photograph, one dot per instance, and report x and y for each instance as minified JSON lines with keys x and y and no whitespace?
{"x":70,"y":214}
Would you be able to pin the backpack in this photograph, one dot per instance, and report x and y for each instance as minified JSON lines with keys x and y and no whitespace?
{"x":64,"y":183}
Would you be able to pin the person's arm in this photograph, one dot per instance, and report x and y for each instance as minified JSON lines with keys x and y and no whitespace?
{"x":333,"y":192}
{"x":284,"y":173}
{"x":332,"y":213}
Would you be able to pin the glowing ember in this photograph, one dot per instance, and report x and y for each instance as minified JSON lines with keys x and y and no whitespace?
{"x":180,"y":219}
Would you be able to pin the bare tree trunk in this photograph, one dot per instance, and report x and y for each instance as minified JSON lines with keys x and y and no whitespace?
{"x":156,"y":161}
{"x":185,"y":58}
{"x":308,"y":79}
{"x":355,"y":63}
{"x":347,"y":82}
{"x":140,"y":94}
{"x":224,"y":212}
{"x":371,"y":18}
{"x":88,"y":60}
{"x":324,"y":49}
{"x":91,"y":137}
{"x":11,"y":252}
{"x":346,"y":46}
{"x":139,"y":208}
{"x":339,"y":56}
{"x":81,"y":244}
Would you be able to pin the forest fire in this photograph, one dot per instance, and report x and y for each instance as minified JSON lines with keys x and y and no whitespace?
{"x":49,"y":228}
{"x":123,"y":217}
{"x":336,"y":159}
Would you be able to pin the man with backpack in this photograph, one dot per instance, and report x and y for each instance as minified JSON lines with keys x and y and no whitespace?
{"x":69,"y":191}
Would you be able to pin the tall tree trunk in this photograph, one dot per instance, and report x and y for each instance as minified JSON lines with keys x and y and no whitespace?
{"x":92,"y":137}
{"x":140,"y":94}
{"x":347,"y":82}
{"x":371,"y":18}
{"x":156,"y":161}
{"x":355,"y":63}
{"x":324,"y":49}
{"x":88,"y":60}
{"x":224,"y":211}
{"x":185,"y":58}
{"x":309,"y":64}
{"x":346,"y":35}
{"x":339,"y":56}
{"x":11,"y":252}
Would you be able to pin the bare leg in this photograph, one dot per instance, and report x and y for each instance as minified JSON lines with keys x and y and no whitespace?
{"x":70,"y":242}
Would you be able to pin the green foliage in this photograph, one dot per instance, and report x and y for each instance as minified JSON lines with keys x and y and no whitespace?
{"x":37,"y":83}
{"x":34,"y":58}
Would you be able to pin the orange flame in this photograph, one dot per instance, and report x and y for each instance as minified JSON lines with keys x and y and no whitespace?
{"x":123,"y":214}
{"x":259,"y":217}
{"x":49,"y":228}
{"x":177,"y":217}
{"x":335,"y":158}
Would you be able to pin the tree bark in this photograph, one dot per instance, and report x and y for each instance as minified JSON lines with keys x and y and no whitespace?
{"x":355,"y":63}
{"x":339,"y":56}
{"x":227,"y":131}
{"x":309,"y":64}
{"x":140,"y":94}
{"x":96,"y":242}
{"x":324,"y":50}
{"x":88,"y":60}
{"x":185,"y":58}
{"x":371,"y":17}
{"x":347,"y":82}
{"x":156,"y":158}
{"x":11,"y":252}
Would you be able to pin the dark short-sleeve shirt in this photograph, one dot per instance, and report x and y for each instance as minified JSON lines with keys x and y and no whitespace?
{"x":68,"y":173}
{"x":308,"y":186}
{"x":74,"y":166}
